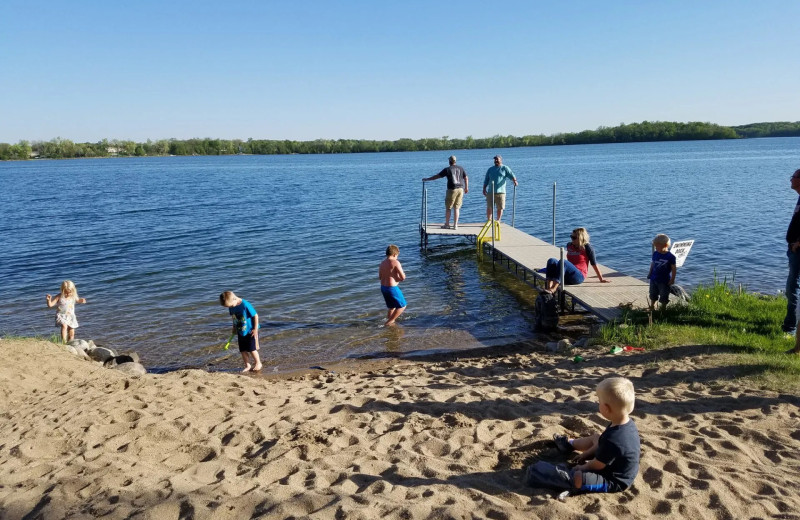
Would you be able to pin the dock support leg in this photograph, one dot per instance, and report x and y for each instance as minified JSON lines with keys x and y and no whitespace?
{"x":562,"y":298}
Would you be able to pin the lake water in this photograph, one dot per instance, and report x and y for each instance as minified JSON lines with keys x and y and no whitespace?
{"x":151,"y":242}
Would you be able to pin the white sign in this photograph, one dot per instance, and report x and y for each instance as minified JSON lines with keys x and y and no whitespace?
{"x":681,"y":251}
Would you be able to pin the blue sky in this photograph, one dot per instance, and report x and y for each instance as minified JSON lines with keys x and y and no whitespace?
{"x":304,"y":70}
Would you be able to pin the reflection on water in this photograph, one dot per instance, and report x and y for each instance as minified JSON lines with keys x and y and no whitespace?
{"x":392,"y":337}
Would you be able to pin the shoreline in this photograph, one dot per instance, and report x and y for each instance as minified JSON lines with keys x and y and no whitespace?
{"x":572,"y":327}
{"x":447,"y":437}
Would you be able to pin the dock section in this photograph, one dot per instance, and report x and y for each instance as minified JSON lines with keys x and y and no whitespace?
{"x":524,"y":255}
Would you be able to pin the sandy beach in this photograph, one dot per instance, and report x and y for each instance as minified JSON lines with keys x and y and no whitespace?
{"x":443,"y":437}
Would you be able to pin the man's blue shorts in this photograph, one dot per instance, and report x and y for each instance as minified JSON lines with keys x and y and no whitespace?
{"x":393,"y":296}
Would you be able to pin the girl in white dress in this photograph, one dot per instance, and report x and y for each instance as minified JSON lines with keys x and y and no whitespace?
{"x":65,"y":318}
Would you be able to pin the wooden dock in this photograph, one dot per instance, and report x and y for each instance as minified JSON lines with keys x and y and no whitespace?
{"x":524,"y":255}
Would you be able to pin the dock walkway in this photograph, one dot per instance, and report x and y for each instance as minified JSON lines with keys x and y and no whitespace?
{"x":524,"y":255}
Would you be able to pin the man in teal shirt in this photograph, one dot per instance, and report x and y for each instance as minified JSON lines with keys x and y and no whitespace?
{"x":497,"y":174}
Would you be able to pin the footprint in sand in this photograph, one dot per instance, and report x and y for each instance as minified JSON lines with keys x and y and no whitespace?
{"x":773,"y":456}
{"x":710,"y":433}
{"x":653,"y":477}
{"x":731,"y":429}
{"x":672,"y":467}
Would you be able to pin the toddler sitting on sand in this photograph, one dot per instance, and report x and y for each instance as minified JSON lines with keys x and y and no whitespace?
{"x":610,"y":461}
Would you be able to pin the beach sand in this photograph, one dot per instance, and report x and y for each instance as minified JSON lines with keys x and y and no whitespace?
{"x":444,"y":437}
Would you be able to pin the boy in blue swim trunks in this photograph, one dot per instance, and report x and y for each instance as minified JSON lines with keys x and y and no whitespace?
{"x":391,"y":273}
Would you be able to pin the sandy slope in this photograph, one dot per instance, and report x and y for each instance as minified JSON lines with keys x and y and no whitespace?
{"x":422,"y":439}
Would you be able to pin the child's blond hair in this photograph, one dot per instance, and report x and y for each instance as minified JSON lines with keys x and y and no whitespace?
{"x":618,"y":392}
{"x":392,"y":250}
{"x":227,"y":299}
{"x":69,"y":290}
{"x":661,"y":240}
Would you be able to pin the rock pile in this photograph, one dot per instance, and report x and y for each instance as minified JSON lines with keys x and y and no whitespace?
{"x":128,"y":363}
{"x":566,"y":345}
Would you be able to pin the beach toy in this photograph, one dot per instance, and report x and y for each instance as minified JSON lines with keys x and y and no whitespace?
{"x":228,"y":344}
{"x":615,"y":350}
{"x":629,"y":348}
{"x":577,"y":359}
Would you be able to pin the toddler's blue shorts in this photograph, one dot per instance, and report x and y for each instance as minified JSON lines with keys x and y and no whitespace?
{"x":659,"y":291}
{"x":393,"y":296}
{"x":596,"y":483}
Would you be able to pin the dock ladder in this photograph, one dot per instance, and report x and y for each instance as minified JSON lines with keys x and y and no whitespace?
{"x":485,"y":236}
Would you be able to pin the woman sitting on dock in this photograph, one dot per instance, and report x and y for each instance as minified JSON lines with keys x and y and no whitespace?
{"x":579,"y":256}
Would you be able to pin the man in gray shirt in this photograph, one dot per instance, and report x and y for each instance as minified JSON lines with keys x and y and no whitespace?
{"x":457,"y":186}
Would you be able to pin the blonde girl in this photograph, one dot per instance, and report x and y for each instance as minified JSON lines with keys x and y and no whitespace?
{"x":580,"y":255}
{"x":65,"y":317}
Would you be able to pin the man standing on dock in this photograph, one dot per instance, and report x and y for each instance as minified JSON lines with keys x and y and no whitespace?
{"x":457,"y":186}
{"x":497,"y":174}
{"x":793,"y":252}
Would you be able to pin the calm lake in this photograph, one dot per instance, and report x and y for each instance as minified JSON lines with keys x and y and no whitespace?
{"x":151,"y":242}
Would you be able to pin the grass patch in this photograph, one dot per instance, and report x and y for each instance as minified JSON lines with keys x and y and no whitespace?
{"x":52,"y":338}
{"x":749,"y":324}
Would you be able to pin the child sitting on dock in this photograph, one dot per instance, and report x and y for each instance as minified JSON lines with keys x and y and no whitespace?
{"x":391,"y":274}
{"x":611,"y":459}
{"x":245,"y":326}
{"x":662,"y":272}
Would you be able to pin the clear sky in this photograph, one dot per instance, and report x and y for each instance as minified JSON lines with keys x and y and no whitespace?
{"x":302,"y":70}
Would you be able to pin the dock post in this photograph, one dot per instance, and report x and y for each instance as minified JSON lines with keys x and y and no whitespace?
{"x":554,"y":213}
{"x":514,"y":206}
{"x":561,"y":296}
{"x":423,"y":218}
{"x":422,"y":229}
{"x":492,"y":197}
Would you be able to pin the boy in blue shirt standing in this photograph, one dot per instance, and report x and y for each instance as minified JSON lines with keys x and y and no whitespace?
{"x":245,"y":326}
{"x":662,"y":272}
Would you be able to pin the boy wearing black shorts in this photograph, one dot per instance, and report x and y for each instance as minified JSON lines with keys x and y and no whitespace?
{"x":245,"y":326}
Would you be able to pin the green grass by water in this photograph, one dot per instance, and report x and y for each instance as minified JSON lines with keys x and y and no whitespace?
{"x":719,"y":314}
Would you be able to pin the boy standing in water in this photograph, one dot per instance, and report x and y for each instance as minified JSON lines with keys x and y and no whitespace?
{"x":391,"y":273}
{"x":245,"y":326}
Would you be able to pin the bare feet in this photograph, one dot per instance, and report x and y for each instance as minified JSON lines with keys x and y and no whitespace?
{"x":391,"y":323}
{"x":246,"y":368}
{"x":257,"y":367}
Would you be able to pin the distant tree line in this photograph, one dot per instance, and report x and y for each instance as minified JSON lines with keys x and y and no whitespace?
{"x":635,"y":132}
{"x":780,"y":129}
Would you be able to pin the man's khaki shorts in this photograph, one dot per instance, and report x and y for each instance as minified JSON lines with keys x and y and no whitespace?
{"x":499,"y":201}
{"x":454,"y":198}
